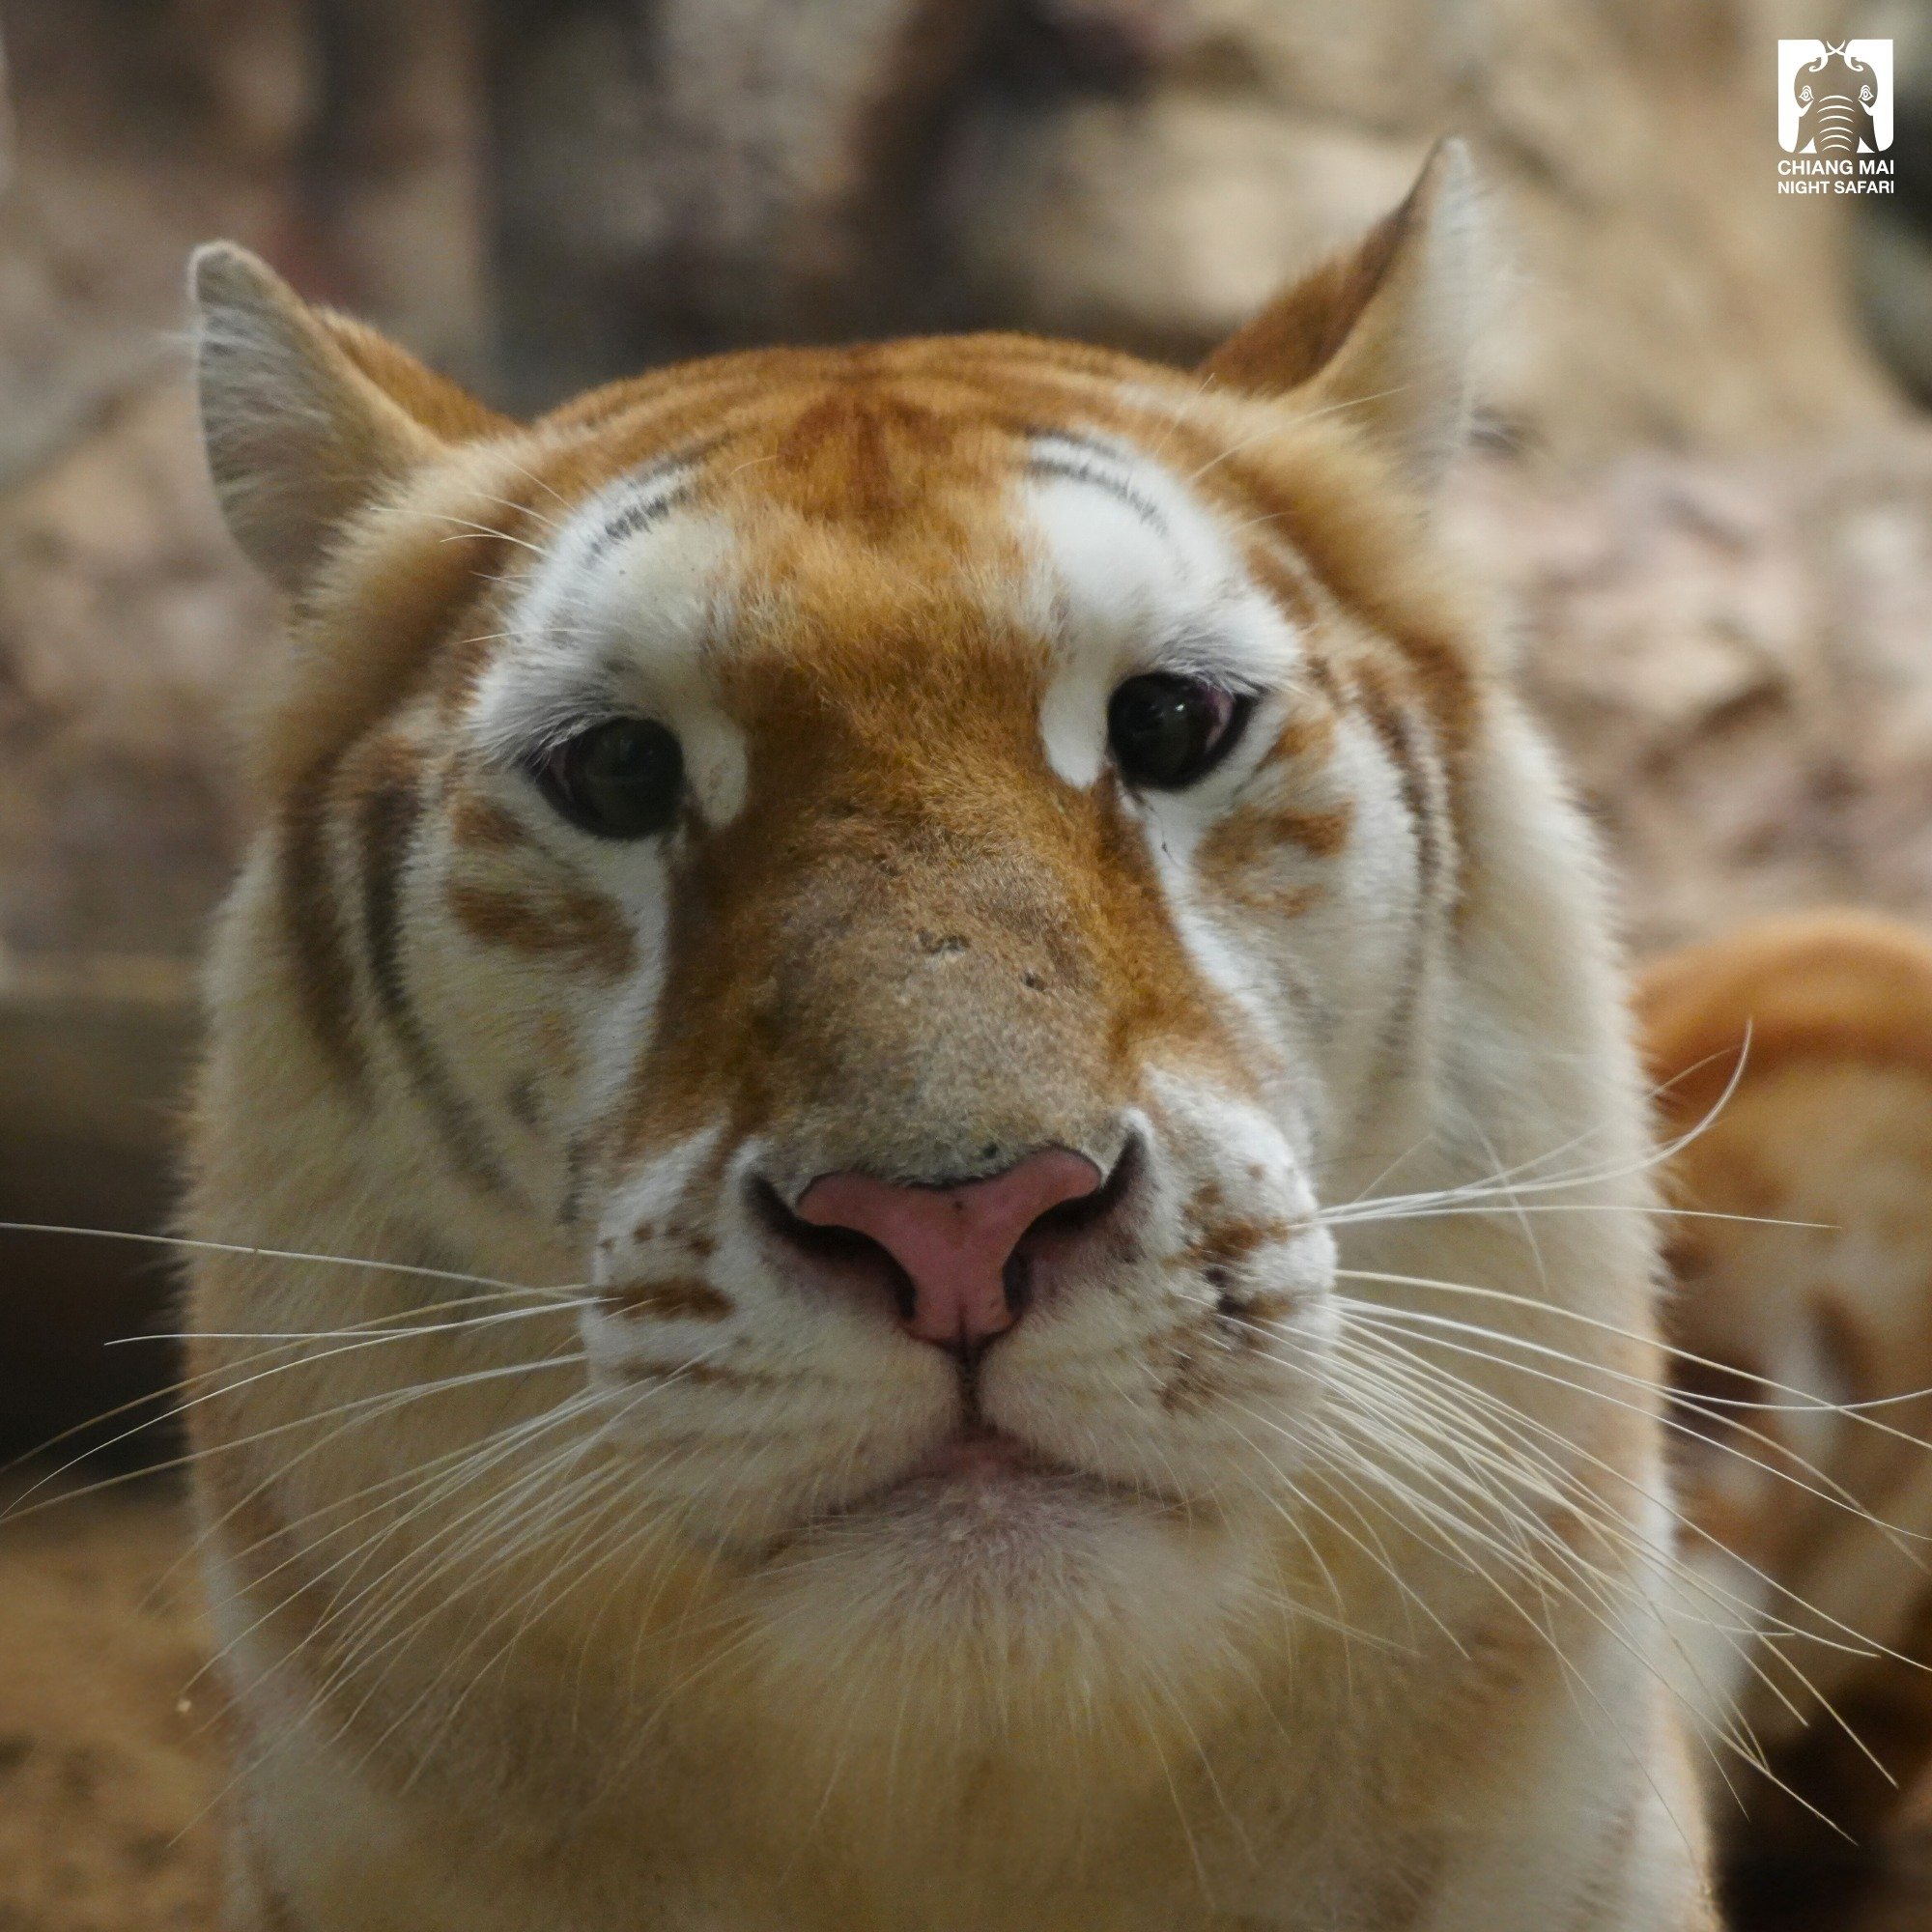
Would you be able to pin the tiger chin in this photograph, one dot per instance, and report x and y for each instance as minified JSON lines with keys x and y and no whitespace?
{"x":888,"y":1003}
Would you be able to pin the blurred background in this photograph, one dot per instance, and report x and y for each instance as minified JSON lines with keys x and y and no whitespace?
{"x":1702,"y":477}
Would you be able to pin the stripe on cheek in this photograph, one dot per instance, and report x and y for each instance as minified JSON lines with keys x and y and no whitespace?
{"x":479,"y":824}
{"x":391,"y":811}
{"x":1243,"y":840}
{"x":684,"y":1298}
{"x":697,"y":1375}
{"x":1309,"y":732}
{"x":580,"y":928}
{"x":1247,"y":838}
{"x":1405,"y":746}
{"x":318,"y":951}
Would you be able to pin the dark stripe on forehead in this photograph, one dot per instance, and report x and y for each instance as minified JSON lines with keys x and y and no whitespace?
{"x":659,"y":488}
{"x":391,"y":811}
{"x":638,"y":517}
{"x":1076,"y":460}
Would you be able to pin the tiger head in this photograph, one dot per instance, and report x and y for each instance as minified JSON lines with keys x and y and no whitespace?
{"x":922,"y":879}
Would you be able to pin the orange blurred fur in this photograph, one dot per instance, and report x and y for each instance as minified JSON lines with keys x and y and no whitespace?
{"x":1825,"y":1025}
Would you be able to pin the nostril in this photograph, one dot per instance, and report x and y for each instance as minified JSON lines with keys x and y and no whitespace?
{"x":1082,"y":1211}
{"x":843,"y":1251}
{"x":1017,"y":1281}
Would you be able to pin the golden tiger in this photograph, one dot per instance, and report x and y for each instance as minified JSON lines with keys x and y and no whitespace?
{"x":928,"y":1203}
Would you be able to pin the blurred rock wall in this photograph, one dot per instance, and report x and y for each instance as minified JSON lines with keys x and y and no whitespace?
{"x":1143,"y":172}
{"x":1736,"y":657}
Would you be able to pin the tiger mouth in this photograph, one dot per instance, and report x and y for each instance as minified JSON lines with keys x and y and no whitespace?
{"x":980,"y":1463}
{"x":979,"y":1451}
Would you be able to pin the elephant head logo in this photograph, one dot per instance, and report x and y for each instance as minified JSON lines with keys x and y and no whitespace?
{"x":1839,"y":99}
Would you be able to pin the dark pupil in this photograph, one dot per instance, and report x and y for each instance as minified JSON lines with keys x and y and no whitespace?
{"x":1164,"y":728}
{"x":622,"y":779}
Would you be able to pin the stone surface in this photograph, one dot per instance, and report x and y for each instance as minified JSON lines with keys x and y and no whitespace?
{"x":1737,"y":660}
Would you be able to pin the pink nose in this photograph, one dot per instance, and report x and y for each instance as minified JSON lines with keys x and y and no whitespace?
{"x":954,"y":1242}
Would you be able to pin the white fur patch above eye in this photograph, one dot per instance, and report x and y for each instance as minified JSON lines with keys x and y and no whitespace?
{"x":1136,"y":574}
{"x":619,"y":618}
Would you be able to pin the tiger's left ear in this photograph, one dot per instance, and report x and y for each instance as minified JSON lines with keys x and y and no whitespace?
{"x":307,"y":416}
{"x":1382,"y":331}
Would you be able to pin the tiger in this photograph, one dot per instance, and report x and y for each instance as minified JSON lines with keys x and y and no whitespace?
{"x":921,"y":1191}
{"x":1792,"y":1058}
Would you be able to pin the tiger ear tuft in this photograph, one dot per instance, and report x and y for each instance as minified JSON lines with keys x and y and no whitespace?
{"x":306,"y":415}
{"x":1384,"y":331}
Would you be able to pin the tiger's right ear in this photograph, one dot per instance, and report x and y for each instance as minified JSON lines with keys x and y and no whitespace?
{"x":305,"y":414}
{"x":1384,"y":331}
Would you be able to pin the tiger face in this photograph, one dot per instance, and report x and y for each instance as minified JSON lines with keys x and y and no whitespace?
{"x":942,"y":1137}
{"x":913,"y":880}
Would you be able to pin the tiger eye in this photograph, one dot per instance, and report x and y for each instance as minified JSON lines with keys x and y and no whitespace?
{"x":1167,"y":730}
{"x":623,"y":779}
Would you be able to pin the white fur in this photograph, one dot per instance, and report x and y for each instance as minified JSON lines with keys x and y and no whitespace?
{"x":627,"y":632}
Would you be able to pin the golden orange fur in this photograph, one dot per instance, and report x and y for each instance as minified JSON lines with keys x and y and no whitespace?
{"x":599,"y":1534}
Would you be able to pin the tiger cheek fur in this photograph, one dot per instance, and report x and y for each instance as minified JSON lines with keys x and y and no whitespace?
{"x":867,"y":961}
